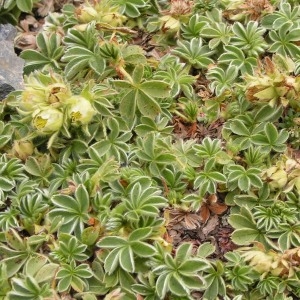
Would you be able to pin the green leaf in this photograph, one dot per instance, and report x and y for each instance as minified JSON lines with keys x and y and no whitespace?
{"x":238,"y":127}
{"x":183,"y":252}
{"x":239,"y":221}
{"x":33,"y":167}
{"x":268,"y":113}
{"x":14,"y":264}
{"x":162,"y":284}
{"x":244,"y":236}
{"x":244,"y":183}
{"x":143,"y":249}
{"x":64,"y":284}
{"x":217,"y":176}
{"x":111,"y":242}
{"x":138,"y":74}
{"x":147,"y":105}
{"x":294,"y":35}
{"x":65,"y":202}
{"x":140,"y":234}
{"x":255,"y":180}
{"x":112,"y":261}
{"x":127,"y":260}
{"x":82,"y":197}
{"x":122,"y":84}
{"x":134,"y":54}
{"x":205,"y":250}
{"x":90,"y":235}
{"x":193,"y":282}
{"x":34,"y":60}
{"x":192,"y":266}
{"x":284,"y":241}
{"x":271,"y":133}
{"x":24,"y":5}
{"x":97,"y":64}
{"x":34,"y":264}
{"x":282,"y":137}
{"x":47,"y":273}
{"x":155,"y":88}
{"x":128,"y":105}
{"x":6,"y":184}
{"x":177,"y":287}
{"x":14,"y":240}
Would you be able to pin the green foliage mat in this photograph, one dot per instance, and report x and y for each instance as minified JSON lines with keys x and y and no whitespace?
{"x":153,"y":152}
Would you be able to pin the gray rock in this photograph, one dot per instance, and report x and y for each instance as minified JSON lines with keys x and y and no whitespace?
{"x":7,"y":32}
{"x":11,"y":66}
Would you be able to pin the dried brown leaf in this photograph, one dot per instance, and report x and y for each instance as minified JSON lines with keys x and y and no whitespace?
{"x":25,"y":41}
{"x":204,"y":212}
{"x":218,"y":208}
{"x":44,"y":7}
{"x":211,"y":224}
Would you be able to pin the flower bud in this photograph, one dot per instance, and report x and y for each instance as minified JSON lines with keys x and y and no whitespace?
{"x":278,"y":179}
{"x":22,"y":149}
{"x":86,"y":14}
{"x":48,"y":120}
{"x":31,"y":99}
{"x":170,"y":24}
{"x":262,"y":262}
{"x":57,"y":93}
{"x":113,"y":19}
{"x":81,"y":110}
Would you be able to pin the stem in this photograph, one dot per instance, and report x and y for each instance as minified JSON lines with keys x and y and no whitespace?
{"x":125,"y":74}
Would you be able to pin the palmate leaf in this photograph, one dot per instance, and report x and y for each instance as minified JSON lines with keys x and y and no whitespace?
{"x":27,"y":289}
{"x":139,"y":95}
{"x":246,"y":230}
{"x":80,"y":59}
{"x":285,"y":15}
{"x":219,"y":33}
{"x":179,"y":274}
{"x":131,"y":7}
{"x":74,"y":210}
{"x":73,"y":276}
{"x":249,"y":38}
{"x":124,"y":251}
{"x":194,"y":52}
{"x":270,"y":139}
{"x":222,"y":80}
{"x":143,"y":201}
{"x":196,"y":24}
{"x":82,"y":53}
{"x":235,"y":56}
{"x":49,"y":53}
{"x":284,"y":41}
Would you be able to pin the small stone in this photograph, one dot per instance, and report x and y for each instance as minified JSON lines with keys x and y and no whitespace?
{"x":5,"y":88}
{"x":11,"y":66}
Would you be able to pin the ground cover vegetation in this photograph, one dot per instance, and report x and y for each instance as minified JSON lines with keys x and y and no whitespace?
{"x":154,"y":151}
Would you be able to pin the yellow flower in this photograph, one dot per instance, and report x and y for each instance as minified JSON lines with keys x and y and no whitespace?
{"x":48,"y":120}
{"x":81,"y":110}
